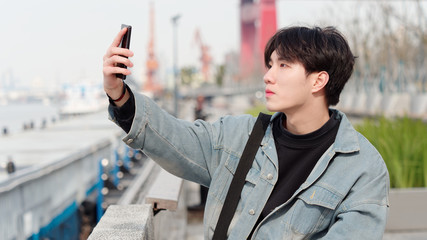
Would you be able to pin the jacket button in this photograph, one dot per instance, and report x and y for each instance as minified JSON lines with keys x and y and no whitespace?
{"x":251,"y":212}
{"x":129,"y":141}
{"x":270,"y":176}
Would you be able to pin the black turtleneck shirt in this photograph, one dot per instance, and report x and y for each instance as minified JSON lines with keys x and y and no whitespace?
{"x":297,"y":156}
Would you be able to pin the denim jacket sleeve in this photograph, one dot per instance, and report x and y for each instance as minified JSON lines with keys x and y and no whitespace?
{"x":186,"y":149}
{"x":157,"y":133}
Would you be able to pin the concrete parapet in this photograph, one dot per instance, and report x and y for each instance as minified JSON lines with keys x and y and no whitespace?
{"x":346,"y":101}
{"x":164,"y":193}
{"x":407,"y":210}
{"x":130,"y":222}
{"x":388,"y":104}
{"x":419,"y":105}
{"x":373,"y":103}
{"x":396,"y":104}
{"x":174,"y":221}
{"x":359,"y":104}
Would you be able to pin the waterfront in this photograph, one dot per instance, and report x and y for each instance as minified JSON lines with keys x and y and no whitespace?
{"x":57,"y":169}
{"x":13,"y":116}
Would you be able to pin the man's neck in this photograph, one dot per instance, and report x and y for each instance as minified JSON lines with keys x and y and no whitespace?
{"x":306,"y":121}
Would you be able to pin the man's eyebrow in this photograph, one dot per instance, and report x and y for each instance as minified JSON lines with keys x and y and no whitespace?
{"x":281,"y":58}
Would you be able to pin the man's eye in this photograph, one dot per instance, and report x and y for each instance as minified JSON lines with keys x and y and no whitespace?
{"x":283,"y":65}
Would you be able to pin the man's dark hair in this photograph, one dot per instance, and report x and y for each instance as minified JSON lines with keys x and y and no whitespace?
{"x":317,"y":49}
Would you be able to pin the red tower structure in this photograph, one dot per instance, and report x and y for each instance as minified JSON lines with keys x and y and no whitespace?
{"x":257,"y":25}
{"x":151,"y":63}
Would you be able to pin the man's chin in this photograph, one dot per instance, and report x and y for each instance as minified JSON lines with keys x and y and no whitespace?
{"x":271,"y":108}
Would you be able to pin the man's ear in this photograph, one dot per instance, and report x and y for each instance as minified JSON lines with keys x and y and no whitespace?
{"x":321,"y":79}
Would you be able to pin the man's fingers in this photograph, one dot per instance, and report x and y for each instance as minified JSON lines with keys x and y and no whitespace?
{"x":121,"y":51}
{"x":118,"y":38}
{"x":110,"y":70}
{"x":112,"y":61}
{"x":118,"y":51}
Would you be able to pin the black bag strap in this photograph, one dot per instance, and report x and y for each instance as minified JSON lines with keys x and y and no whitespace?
{"x":236,"y":186}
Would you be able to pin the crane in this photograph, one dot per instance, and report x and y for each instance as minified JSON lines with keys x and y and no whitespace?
{"x":205,"y":58}
{"x":151,"y":63}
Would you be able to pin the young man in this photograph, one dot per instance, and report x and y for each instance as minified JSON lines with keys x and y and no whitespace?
{"x":313,"y":177}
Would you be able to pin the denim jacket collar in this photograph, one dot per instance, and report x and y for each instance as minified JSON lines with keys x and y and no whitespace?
{"x":346,"y":139}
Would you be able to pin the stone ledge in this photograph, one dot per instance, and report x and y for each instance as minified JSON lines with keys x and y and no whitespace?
{"x":130,"y":222}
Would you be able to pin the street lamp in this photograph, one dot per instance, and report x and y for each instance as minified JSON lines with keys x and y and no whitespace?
{"x":175,"y":62}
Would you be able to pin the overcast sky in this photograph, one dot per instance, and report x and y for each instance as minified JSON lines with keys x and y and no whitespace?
{"x":64,"y":41}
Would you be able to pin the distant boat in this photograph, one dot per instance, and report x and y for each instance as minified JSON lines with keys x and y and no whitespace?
{"x":82,"y":99}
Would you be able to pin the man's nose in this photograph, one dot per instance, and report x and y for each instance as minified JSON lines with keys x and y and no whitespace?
{"x":268,"y":77}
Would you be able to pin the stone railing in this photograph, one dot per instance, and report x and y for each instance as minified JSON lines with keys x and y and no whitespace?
{"x":137,"y":215}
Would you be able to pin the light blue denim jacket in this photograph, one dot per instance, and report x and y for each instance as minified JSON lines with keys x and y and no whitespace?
{"x":344,"y":197}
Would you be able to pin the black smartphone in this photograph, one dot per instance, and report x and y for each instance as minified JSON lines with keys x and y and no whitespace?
{"x":125,"y":43}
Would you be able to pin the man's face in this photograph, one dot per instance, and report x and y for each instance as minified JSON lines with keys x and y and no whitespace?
{"x":288,"y":88}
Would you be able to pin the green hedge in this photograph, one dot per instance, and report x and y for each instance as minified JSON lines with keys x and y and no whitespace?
{"x":402,"y":142}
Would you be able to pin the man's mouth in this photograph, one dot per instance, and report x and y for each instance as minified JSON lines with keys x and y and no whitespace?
{"x":268,"y":93}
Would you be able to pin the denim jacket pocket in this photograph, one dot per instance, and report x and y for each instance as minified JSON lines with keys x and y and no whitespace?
{"x":252,"y":176}
{"x":226,"y":176}
{"x":313,"y":210}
